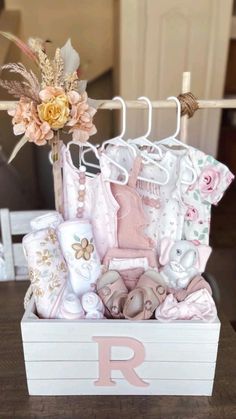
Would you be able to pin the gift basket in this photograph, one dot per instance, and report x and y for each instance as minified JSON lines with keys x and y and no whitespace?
{"x":117,"y":302}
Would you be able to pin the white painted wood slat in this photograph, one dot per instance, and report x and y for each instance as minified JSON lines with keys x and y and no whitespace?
{"x":7,"y":243}
{"x":88,"y":351}
{"x":20,"y":220}
{"x":145,"y":331}
{"x":12,"y":224}
{"x":86,"y":387}
{"x":18,"y":254}
{"x":147,"y":370}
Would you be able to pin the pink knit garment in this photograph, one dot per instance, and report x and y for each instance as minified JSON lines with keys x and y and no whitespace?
{"x":131,"y":219}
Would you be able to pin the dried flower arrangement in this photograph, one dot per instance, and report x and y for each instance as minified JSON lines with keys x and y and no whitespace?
{"x":57,"y":101}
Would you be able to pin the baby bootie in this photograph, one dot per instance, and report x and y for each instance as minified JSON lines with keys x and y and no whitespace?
{"x":113,"y":292}
{"x":47,"y":271}
{"x":78,"y":248}
{"x":146,"y":297}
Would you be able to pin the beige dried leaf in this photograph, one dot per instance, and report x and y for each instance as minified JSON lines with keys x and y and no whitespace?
{"x":58,"y":68}
{"x":36,"y":44}
{"x":46,"y":69}
{"x":71,"y":81}
{"x":29,"y":87}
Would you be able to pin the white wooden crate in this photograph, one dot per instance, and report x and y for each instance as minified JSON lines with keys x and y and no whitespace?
{"x":73,"y":357}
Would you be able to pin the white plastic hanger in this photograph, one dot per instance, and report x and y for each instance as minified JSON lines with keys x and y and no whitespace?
{"x":86,"y":162}
{"x":122,"y":143}
{"x":172,"y":140}
{"x":81,"y":145}
{"x":119,"y":139}
{"x":143,"y":140}
{"x":113,"y":141}
{"x":146,"y":159}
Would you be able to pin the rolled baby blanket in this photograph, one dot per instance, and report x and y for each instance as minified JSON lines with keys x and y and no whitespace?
{"x":71,"y":307}
{"x":51,"y":219}
{"x":79,"y":250}
{"x":92,"y":302}
{"x":47,"y":271}
{"x":94,"y":315}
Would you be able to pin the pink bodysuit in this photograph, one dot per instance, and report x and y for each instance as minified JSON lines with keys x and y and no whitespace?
{"x":131,"y":219}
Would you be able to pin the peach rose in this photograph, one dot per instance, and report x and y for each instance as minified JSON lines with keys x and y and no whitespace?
{"x":26,"y":121}
{"x":39,"y":133}
{"x":209,"y":180}
{"x":50,"y":92}
{"x":55,"y":107}
{"x":81,"y":121}
{"x":21,"y":115}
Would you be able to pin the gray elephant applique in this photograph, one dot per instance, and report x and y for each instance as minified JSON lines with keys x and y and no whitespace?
{"x":181,"y":261}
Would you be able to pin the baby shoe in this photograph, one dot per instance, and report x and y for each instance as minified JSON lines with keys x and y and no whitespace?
{"x":113,"y":292}
{"x":146,"y":297}
{"x":47,"y":271}
{"x":131,"y":277}
{"x":79,"y":250}
{"x":92,"y":302}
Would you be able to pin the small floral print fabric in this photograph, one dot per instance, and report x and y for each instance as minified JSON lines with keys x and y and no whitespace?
{"x":47,"y":270}
{"x":213,"y":178}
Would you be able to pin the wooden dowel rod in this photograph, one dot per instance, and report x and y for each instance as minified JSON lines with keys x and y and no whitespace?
{"x":161,"y":104}
{"x":186,"y":83}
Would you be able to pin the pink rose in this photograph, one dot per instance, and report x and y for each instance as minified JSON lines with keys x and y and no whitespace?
{"x":191,"y":214}
{"x":209,"y":180}
{"x":229,"y":178}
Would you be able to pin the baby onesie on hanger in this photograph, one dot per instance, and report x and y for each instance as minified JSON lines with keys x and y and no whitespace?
{"x":172,"y":209}
{"x":186,"y":209}
{"x":163,"y":203}
{"x":100,"y":207}
{"x":131,"y":218}
{"x":213,"y":178}
{"x":148,"y":191}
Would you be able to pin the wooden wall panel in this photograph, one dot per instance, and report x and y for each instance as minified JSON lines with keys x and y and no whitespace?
{"x":161,"y":39}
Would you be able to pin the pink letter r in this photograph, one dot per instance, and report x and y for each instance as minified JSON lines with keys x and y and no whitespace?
{"x":106,"y":365}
